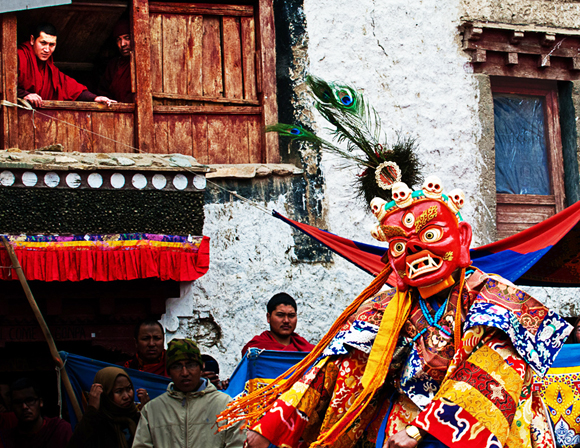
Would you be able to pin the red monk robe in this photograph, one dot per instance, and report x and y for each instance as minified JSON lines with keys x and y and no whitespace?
{"x":44,"y":79}
{"x":54,"y":433}
{"x":116,"y":81}
{"x":158,"y":368}
{"x":267,"y":341}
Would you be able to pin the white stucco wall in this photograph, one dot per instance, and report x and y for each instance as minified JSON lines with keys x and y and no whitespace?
{"x":408,"y":62}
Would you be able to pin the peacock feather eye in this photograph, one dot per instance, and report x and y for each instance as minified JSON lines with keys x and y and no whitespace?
{"x":345,"y":98}
{"x":295,"y":131}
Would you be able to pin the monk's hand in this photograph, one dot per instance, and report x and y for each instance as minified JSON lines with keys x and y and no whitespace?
{"x":104,"y":100}
{"x":34,"y":99}
{"x":255,"y":440}
{"x":400,"y":440}
{"x":95,"y":395}
{"x":143,"y":396}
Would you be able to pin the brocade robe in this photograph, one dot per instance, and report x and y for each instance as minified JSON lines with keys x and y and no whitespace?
{"x":478,"y":395}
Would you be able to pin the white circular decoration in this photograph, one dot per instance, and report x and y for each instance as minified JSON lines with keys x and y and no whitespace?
{"x":95,"y":180}
{"x":51,"y":179}
{"x":139,"y":181}
{"x":199,"y":182}
{"x":6,"y":178}
{"x":180,"y":182}
{"x":29,"y":179}
{"x":73,"y":180}
{"x":117,"y":180}
{"x":159,"y":181}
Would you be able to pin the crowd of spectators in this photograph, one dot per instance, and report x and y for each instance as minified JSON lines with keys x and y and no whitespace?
{"x":117,"y":415}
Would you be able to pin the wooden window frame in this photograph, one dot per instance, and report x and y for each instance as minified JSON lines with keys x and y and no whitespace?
{"x":144,"y":135}
{"x":534,"y":208}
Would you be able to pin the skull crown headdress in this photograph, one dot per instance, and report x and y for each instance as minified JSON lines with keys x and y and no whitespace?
{"x":384,"y":168}
{"x":403,"y":197}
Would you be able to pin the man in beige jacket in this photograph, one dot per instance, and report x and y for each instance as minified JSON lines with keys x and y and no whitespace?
{"x":185,"y":415}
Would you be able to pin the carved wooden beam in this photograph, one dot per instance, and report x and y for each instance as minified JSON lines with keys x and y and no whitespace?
{"x":512,"y":59}
{"x":516,"y":37}
{"x":548,"y":39}
{"x":479,"y":55}
{"x":473,"y":33}
{"x":544,"y":61}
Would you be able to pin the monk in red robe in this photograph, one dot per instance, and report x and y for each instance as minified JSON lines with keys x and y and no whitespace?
{"x":38,"y":77}
{"x":150,"y":351}
{"x":116,"y":81}
{"x":282,"y":318}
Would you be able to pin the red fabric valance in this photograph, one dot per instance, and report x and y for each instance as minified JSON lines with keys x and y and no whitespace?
{"x":107,"y":257}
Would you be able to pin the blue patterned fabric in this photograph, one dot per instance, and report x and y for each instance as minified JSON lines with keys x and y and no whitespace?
{"x":415,"y":383}
{"x":538,"y":350}
{"x":360,"y":336}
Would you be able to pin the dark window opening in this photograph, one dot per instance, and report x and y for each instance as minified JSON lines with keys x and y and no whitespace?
{"x":528,"y":152}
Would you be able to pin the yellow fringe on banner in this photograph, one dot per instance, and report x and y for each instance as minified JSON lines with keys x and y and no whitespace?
{"x":457,"y":329}
{"x":379,"y":361}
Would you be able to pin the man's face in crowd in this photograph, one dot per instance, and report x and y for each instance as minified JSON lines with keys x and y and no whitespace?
{"x":282,"y":320}
{"x":149,"y":343}
{"x":124,"y":44}
{"x":186,"y":375}
{"x":43,"y":46}
{"x":26,"y":405}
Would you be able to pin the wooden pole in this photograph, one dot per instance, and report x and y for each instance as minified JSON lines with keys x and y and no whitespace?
{"x":45,"y":330}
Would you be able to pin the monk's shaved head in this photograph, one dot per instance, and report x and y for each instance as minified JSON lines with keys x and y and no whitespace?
{"x":47,"y":28}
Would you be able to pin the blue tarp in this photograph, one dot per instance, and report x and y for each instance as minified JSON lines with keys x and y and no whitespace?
{"x":265,"y":364}
{"x":82,"y":371}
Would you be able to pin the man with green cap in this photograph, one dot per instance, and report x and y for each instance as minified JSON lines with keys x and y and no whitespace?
{"x":185,"y":416}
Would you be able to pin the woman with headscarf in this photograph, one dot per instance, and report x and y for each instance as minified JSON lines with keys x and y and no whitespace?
{"x":112,"y":416}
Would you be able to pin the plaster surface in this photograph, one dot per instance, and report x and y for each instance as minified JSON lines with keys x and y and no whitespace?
{"x":409,"y":64}
{"x":553,"y":13}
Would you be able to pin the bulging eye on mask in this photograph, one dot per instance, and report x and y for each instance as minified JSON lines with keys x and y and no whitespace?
{"x":428,"y":241}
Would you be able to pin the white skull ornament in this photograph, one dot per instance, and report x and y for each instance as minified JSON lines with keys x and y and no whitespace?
{"x":457,"y":197}
{"x":377,"y":233}
{"x":378,"y":208}
{"x":402,"y":194}
{"x":433,"y":187}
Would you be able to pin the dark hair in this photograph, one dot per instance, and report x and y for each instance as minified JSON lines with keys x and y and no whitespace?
{"x":211,"y":364}
{"x":25,"y":383}
{"x":45,"y":27}
{"x":281,"y":299}
{"x":147,"y":322}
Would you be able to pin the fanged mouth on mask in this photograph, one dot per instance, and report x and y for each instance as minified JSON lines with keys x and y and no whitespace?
{"x":422,"y":263}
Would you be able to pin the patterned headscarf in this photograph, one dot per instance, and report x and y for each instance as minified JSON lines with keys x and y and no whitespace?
{"x":182,"y":350}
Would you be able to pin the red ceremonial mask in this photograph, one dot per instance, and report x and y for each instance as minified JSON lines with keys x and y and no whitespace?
{"x":427,"y":239}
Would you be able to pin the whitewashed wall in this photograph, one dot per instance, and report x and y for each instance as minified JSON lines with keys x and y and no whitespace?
{"x":408,"y":62}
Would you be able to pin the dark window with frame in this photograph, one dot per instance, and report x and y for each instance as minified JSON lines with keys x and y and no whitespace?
{"x":528,"y":153}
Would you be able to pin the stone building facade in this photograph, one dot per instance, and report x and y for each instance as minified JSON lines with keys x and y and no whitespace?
{"x":420,"y":65}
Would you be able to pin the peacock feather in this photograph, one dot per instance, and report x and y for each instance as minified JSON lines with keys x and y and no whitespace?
{"x":356,"y":125}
